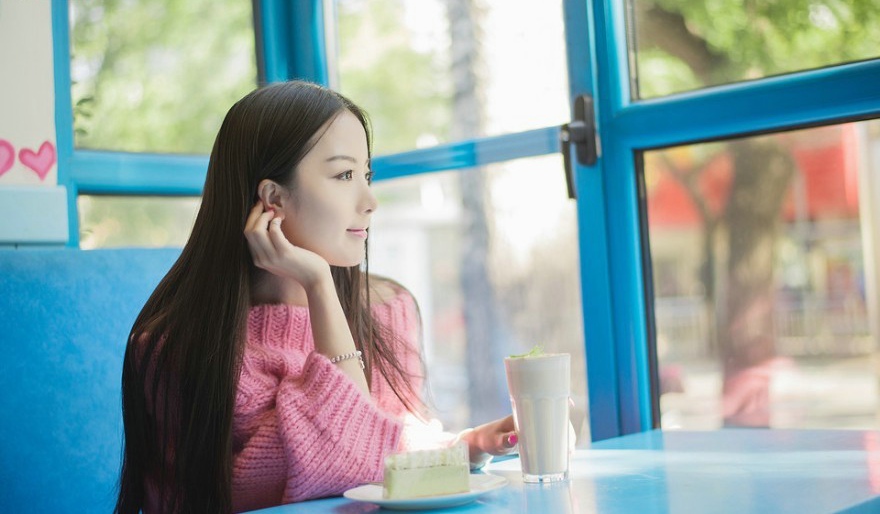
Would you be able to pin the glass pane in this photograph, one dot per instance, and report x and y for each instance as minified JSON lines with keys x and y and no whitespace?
{"x":158,"y":76}
{"x":144,"y":221}
{"x":681,"y":45}
{"x":491,"y":256}
{"x":765,"y":255}
{"x":432,"y":71}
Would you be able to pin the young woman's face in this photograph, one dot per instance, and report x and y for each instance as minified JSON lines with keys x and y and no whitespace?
{"x":332,"y":201}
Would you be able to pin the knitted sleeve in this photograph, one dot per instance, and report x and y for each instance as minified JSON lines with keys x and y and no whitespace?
{"x":334,"y":435}
{"x":317,"y":436}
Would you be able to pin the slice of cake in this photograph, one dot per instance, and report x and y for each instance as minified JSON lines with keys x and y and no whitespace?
{"x":427,"y":473}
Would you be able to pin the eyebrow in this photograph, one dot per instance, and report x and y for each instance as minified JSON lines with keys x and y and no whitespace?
{"x":345,"y":158}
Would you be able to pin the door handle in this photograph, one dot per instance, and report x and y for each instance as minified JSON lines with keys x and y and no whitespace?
{"x":581,"y":131}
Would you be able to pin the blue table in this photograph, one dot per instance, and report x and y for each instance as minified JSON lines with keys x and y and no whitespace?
{"x":733,"y":470}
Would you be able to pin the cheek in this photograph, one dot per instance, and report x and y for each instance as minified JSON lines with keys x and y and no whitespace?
{"x":306,"y":227}
{"x":298,"y":233}
{"x":291,"y":233}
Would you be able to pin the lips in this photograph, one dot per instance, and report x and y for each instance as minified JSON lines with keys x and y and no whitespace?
{"x":359,"y":232}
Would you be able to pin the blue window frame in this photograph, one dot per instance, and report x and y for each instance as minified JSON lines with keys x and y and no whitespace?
{"x":616,"y":311}
{"x":626,"y":127}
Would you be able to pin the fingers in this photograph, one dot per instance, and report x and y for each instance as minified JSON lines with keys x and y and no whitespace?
{"x":508,"y":437}
{"x":256,"y":232}
{"x":253,"y":219}
{"x":500,"y":436}
{"x":499,"y":443}
{"x":276,"y":236}
{"x":504,"y":443}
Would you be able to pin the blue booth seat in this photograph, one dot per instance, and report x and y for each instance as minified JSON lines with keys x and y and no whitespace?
{"x":65,"y":315}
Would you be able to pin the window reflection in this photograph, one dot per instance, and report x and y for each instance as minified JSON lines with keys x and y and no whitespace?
{"x":764,"y":254}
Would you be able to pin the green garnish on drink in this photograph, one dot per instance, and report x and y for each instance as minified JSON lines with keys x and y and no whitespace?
{"x":536,"y":351}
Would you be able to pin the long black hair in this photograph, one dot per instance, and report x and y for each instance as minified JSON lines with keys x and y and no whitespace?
{"x":183,"y":357}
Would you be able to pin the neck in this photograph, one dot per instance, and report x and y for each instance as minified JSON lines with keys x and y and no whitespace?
{"x":272,"y":289}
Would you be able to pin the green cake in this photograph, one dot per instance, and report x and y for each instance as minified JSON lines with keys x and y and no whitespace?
{"x":425,"y":473}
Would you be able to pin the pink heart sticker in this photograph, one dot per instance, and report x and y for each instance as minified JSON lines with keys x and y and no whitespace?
{"x":41,"y":162}
{"x":7,"y":156}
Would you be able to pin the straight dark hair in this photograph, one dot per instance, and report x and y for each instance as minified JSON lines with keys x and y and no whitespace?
{"x":183,"y":357}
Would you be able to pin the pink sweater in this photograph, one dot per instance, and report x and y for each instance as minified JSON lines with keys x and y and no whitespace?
{"x":302,"y":429}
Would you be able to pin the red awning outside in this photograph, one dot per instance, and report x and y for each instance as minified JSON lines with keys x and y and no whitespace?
{"x":827,"y":164}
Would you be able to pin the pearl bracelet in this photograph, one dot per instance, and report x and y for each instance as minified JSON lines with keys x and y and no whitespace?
{"x":344,"y":357}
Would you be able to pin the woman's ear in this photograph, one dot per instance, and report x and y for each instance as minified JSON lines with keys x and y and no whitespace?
{"x":272,"y":195}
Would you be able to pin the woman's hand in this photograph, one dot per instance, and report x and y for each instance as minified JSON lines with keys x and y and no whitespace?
{"x":498,"y":438}
{"x":272,"y":251}
{"x":494,"y":438}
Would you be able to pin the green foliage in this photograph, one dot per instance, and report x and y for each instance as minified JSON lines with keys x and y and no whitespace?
{"x":158,"y":76}
{"x":119,"y":221}
{"x":658,"y":74}
{"x":406,"y":91}
{"x":750,"y":39}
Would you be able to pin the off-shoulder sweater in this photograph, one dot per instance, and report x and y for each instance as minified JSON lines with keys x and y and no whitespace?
{"x":302,"y":429}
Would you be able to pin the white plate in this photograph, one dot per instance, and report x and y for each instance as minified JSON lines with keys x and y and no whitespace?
{"x":480,"y":485}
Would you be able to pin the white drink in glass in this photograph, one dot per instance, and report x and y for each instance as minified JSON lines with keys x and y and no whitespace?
{"x":539,"y":387}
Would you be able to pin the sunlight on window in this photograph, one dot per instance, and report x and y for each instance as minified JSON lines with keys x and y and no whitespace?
{"x":420,"y":237}
{"x":485,"y":55}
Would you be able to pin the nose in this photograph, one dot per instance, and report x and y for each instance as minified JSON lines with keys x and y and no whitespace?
{"x":368,"y":200}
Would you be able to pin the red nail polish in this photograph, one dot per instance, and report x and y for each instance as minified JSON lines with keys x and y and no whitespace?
{"x":512,"y":439}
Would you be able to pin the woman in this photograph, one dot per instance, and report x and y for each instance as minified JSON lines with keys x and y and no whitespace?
{"x":267,"y":367}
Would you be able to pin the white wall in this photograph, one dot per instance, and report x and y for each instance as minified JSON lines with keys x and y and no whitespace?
{"x":27,"y":98}
{"x":33,"y":209}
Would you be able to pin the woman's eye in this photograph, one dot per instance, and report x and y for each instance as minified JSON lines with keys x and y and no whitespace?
{"x":369,"y":177}
{"x":345,"y":175}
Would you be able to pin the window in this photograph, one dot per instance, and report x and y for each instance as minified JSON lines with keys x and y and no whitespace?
{"x":157,"y":76}
{"x":490,"y":282}
{"x":152,"y":221}
{"x":681,"y":45}
{"x":153,"y":80}
{"x":764,"y":280}
{"x":405,"y":60}
{"x":753,"y":207}
{"x":488,"y":91}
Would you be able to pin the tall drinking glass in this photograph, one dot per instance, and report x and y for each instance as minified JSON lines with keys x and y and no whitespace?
{"x":539,"y":387}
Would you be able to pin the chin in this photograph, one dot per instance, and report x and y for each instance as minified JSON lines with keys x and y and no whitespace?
{"x":348,"y":262}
